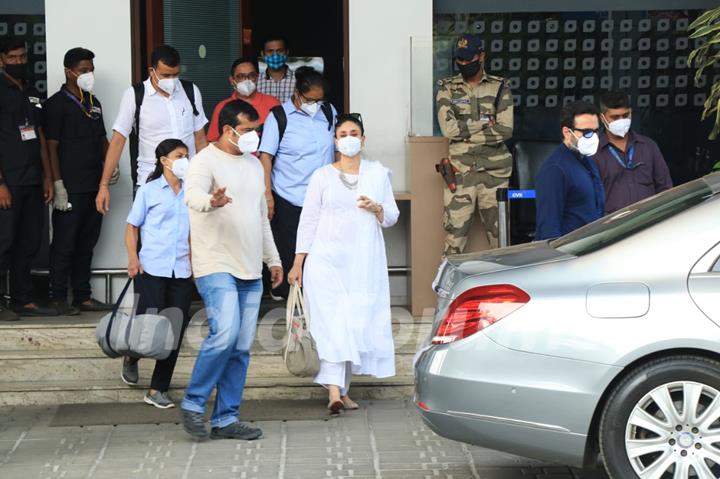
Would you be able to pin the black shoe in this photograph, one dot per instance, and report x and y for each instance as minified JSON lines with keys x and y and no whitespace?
{"x":129,"y":374}
{"x":236,"y":430}
{"x":35,"y":311}
{"x":8,"y":315}
{"x":93,"y":305}
{"x":64,"y":309}
{"x":194,"y":424}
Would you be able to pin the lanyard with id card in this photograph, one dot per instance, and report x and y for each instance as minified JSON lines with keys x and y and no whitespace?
{"x":27,"y":132}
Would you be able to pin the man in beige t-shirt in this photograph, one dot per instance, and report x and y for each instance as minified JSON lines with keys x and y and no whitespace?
{"x":230,"y":239}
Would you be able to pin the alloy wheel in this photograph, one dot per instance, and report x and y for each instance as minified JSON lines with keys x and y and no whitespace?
{"x":673,"y":432}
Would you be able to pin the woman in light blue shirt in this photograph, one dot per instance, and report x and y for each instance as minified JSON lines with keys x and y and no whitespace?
{"x":298,"y":138}
{"x":161,"y":269}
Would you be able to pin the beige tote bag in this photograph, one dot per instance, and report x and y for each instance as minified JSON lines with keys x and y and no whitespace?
{"x":299,"y":351}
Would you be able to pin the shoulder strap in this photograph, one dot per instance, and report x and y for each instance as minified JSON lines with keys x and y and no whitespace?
{"x":327,"y":110}
{"x":190,"y":92}
{"x":281,"y":118}
{"x":139,"y":90}
{"x":114,"y":313}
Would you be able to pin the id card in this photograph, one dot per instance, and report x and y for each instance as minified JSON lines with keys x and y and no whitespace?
{"x":27,"y":132}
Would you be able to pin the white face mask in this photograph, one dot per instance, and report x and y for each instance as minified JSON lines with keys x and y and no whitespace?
{"x":86,"y":81}
{"x":619,"y":127}
{"x":166,"y":84}
{"x":245,"y":87}
{"x":587,"y":146}
{"x":349,"y":145}
{"x":247,"y":142}
{"x":310,"y":108}
{"x":180,"y":167}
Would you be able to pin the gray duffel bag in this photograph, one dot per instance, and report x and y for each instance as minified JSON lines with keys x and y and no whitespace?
{"x":139,"y":336}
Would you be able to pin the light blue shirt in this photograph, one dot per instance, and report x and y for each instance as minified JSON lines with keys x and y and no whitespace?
{"x":164,"y":226}
{"x":307,"y":145}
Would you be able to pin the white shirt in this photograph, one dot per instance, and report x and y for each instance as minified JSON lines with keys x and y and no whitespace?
{"x":235,"y":238}
{"x":160,"y":118}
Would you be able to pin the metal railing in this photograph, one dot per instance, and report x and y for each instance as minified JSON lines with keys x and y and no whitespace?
{"x":108,"y":274}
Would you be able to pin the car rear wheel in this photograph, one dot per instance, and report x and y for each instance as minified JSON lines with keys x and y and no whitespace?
{"x":663,"y":421}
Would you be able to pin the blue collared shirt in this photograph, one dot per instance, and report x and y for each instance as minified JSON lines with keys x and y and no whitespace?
{"x":164,"y":226}
{"x":307,"y":145}
{"x":569,"y":194}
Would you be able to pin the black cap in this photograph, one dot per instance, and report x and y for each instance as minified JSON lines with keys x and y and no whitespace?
{"x":467,"y":46}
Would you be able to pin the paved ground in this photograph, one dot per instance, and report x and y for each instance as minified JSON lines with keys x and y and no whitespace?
{"x":384,"y":440}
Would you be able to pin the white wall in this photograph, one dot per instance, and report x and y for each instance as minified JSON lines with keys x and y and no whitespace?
{"x":104,"y":27}
{"x":380,"y":71}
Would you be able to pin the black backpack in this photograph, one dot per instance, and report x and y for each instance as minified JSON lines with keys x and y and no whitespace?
{"x":139,"y":89}
{"x":281,"y":118}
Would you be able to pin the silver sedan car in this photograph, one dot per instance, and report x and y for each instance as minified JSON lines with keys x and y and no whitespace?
{"x":604,"y":343}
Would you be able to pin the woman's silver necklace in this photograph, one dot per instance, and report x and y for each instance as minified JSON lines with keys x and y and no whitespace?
{"x":350,"y":185}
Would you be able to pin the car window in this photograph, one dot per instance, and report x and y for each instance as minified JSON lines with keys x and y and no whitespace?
{"x":638,"y":216}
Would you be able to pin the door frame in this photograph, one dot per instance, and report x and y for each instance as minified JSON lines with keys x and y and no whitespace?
{"x":148,"y":32}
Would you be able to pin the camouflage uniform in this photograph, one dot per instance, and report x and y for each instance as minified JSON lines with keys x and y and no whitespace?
{"x":478,"y":151}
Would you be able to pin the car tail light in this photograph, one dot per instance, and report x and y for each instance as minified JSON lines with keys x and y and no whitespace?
{"x":478,"y":308}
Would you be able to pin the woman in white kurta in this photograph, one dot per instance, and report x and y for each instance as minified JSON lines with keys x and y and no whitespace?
{"x":345,"y":278}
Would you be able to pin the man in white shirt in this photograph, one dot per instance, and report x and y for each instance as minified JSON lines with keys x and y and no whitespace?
{"x":166,"y":111}
{"x":230,"y":238}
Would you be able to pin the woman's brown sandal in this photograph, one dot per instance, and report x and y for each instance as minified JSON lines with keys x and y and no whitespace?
{"x":335,"y":407}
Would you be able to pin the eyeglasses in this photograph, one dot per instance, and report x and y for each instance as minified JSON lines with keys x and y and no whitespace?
{"x":311,"y":101}
{"x":250,"y":76}
{"x":349,"y":116}
{"x":587,"y":132}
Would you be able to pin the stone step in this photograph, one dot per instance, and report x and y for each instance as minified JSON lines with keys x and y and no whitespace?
{"x":82,"y":392}
{"x":79,"y":333}
{"x":92,"y":365}
{"x":48,"y":361}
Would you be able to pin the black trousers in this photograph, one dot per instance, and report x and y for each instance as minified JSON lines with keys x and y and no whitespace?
{"x":170,"y":297}
{"x":20,"y":238}
{"x":284,"y":228}
{"x":75,"y":234}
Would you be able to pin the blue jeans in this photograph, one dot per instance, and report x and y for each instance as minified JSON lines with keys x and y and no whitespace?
{"x":232,"y":306}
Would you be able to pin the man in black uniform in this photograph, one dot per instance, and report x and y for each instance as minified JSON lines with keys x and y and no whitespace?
{"x":77,"y":143}
{"x":25,"y":177}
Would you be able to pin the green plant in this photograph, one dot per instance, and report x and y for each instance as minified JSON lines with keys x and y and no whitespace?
{"x":707,"y":26}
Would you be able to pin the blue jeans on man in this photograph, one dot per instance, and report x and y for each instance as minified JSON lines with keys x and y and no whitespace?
{"x":232,"y":306}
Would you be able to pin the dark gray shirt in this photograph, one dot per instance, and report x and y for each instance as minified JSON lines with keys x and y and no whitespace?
{"x":625,"y":181}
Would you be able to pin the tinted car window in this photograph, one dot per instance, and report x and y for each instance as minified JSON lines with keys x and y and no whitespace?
{"x":637,"y":217}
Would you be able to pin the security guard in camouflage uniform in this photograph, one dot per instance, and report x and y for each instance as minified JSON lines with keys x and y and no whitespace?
{"x":475,"y":112}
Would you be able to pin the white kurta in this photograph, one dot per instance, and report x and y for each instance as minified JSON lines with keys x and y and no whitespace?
{"x":345,"y":278}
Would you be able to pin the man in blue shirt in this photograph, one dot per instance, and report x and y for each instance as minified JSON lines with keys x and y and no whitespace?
{"x":569,"y":190}
{"x":290,"y":156}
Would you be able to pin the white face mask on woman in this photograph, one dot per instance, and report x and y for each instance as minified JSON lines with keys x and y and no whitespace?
{"x":180,"y":166}
{"x":349,"y":145}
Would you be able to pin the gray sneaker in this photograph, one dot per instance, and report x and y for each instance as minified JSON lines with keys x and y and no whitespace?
{"x":159,"y":400}
{"x":236,"y":430}
{"x":130,"y":375}
{"x":194,"y":424}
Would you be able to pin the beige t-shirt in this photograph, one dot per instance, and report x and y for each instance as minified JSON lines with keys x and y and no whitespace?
{"x":235,"y":238}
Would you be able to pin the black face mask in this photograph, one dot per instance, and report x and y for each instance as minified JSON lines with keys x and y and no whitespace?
{"x":18,"y":71}
{"x":471,"y":69}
